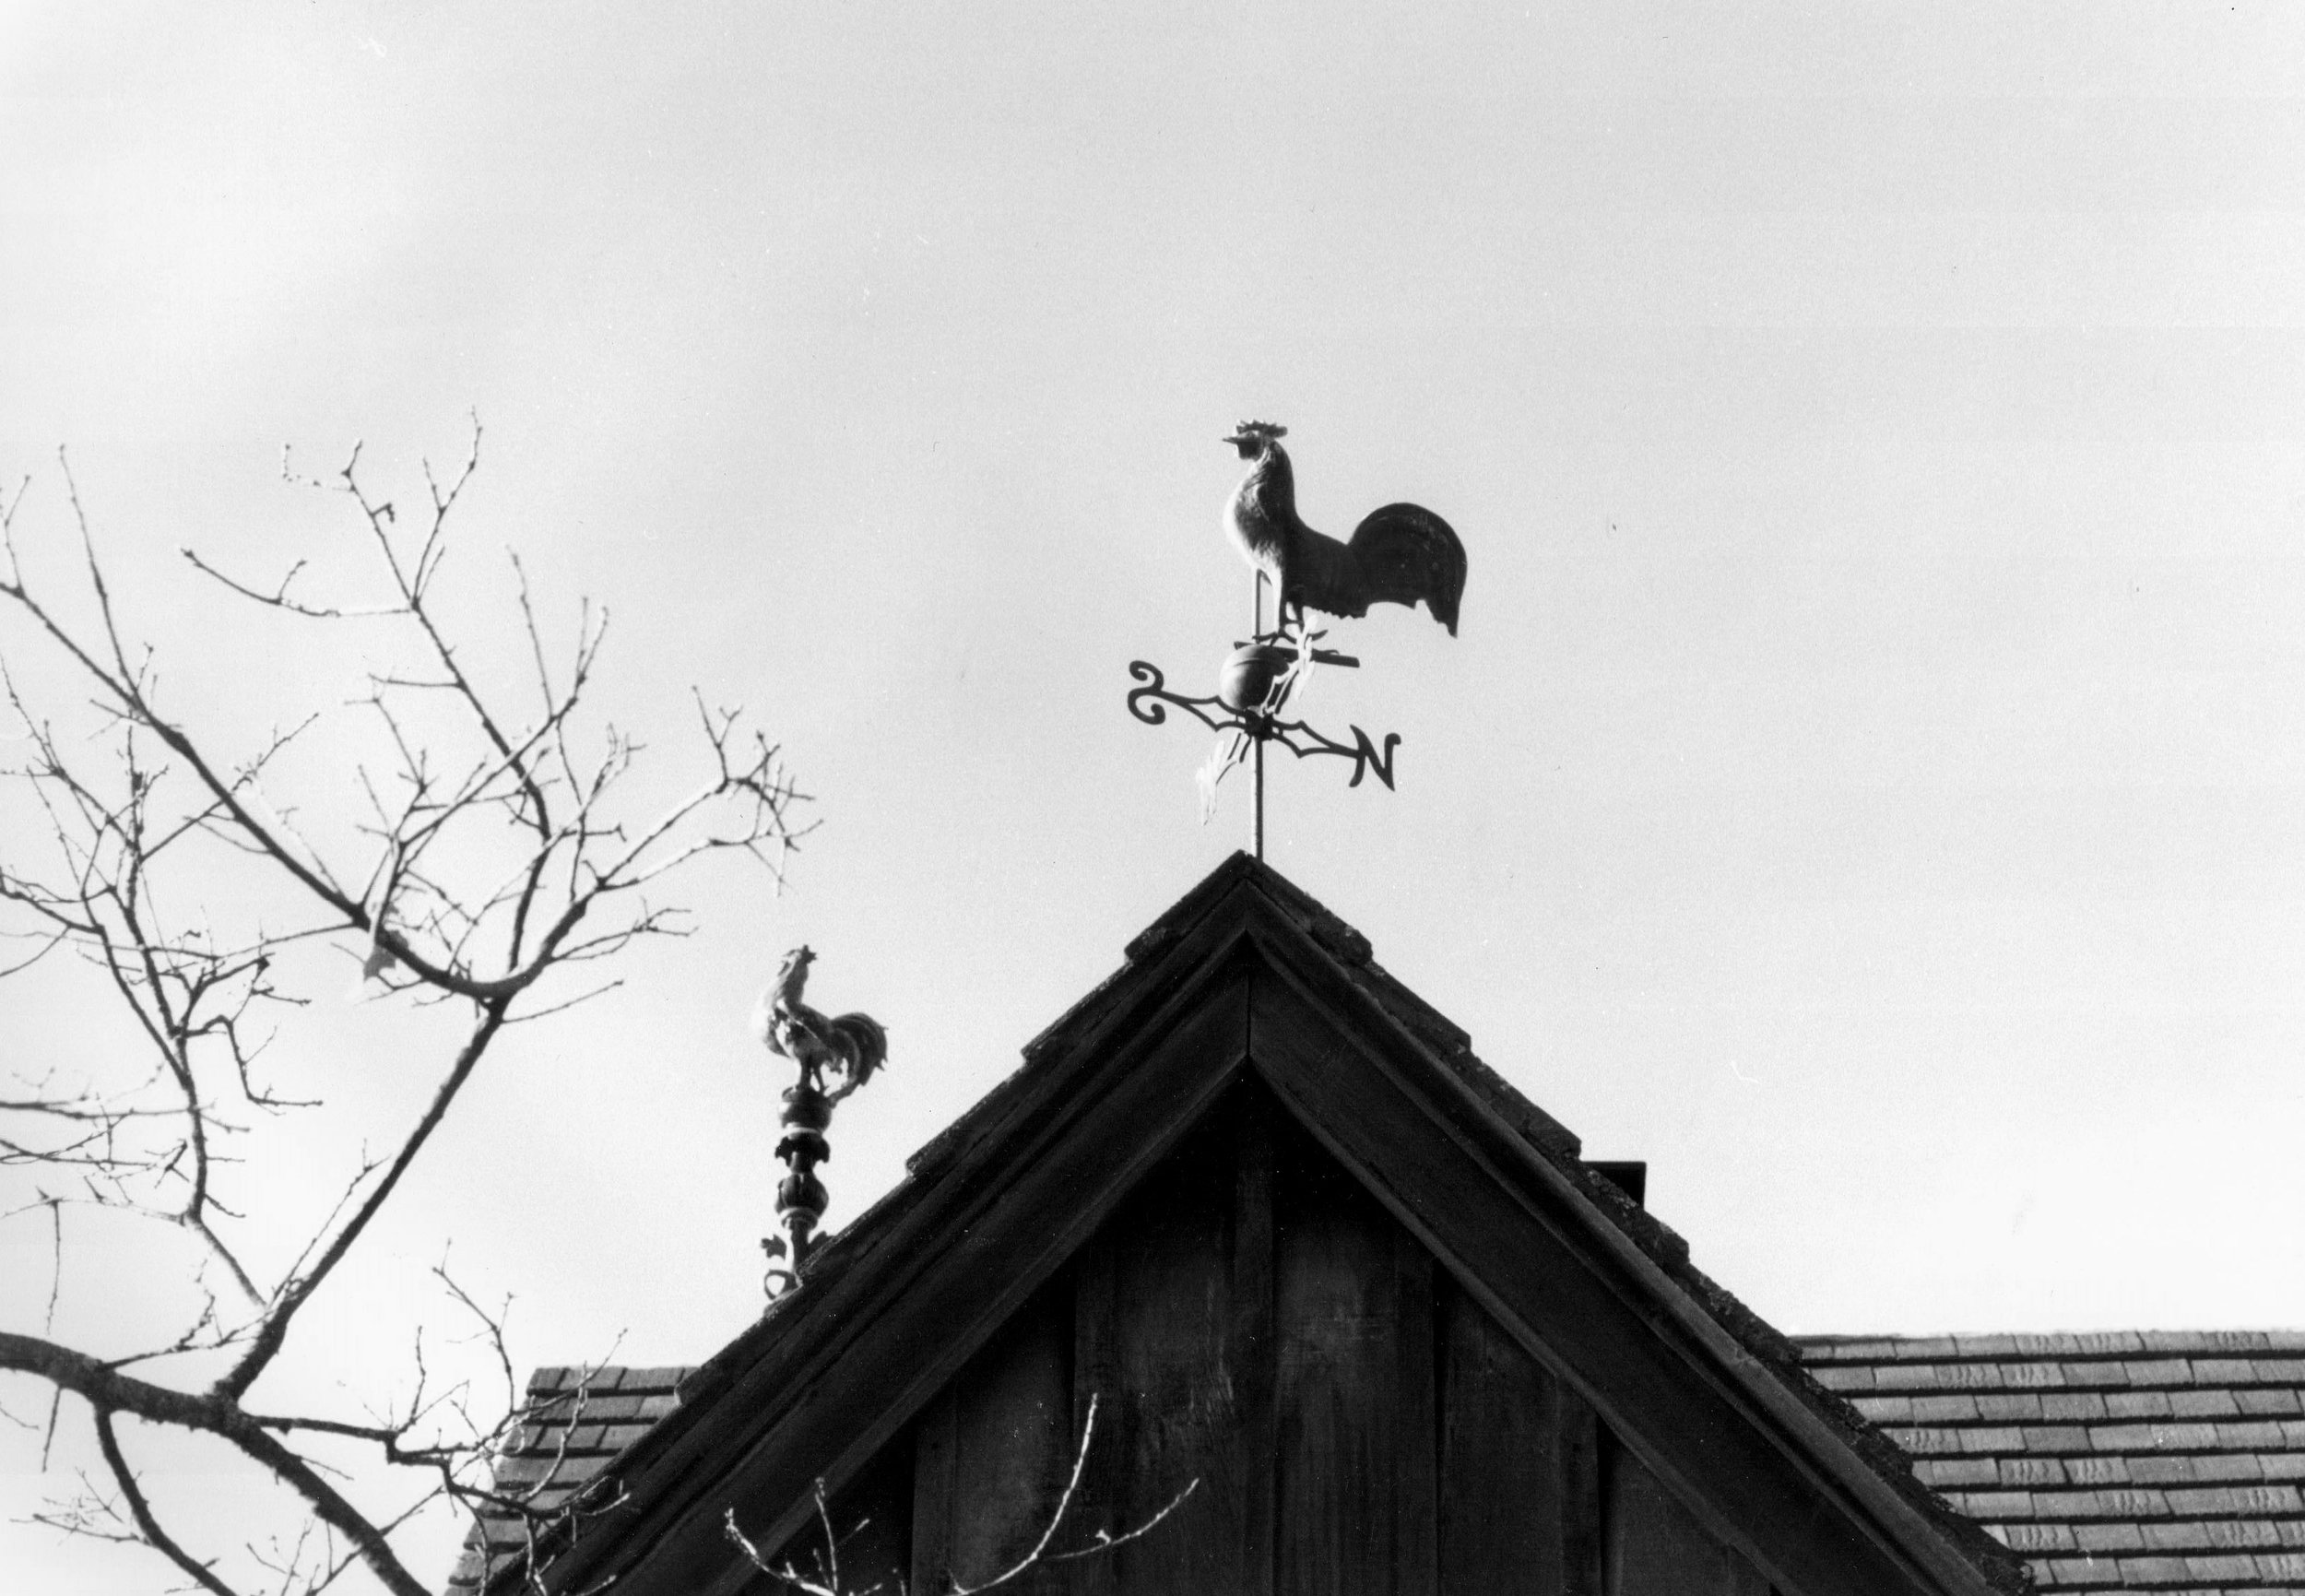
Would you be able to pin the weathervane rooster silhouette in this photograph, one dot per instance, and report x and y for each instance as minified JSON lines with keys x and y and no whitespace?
{"x":1399,"y":554}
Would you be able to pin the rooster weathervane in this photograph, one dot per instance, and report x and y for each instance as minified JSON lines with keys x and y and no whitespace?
{"x":1399,"y":554}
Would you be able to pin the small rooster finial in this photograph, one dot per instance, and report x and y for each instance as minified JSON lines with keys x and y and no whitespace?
{"x":853,"y":1046}
{"x":848,"y":1047}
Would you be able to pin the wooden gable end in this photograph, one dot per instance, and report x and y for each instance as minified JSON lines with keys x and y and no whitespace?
{"x":1278,"y":1362}
{"x":1301,"y":1248}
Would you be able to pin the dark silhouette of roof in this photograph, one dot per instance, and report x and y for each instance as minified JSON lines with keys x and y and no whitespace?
{"x":641,"y":1440}
{"x":2121,"y":1461}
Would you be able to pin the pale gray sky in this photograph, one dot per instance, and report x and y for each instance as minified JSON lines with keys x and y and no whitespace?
{"x":1869,"y":783}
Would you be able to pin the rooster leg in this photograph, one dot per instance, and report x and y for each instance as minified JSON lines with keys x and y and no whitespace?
{"x":1280,"y":629}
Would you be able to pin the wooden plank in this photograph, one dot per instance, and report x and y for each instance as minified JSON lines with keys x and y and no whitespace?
{"x":936,"y":1452}
{"x":1416,"y":1419}
{"x":874,"y":1519}
{"x":1255,"y":1175}
{"x":1655,"y":1547}
{"x":1436,"y":1157}
{"x":1009,"y":1452}
{"x":1097,"y":1361}
{"x":1501,"y":1504}
{"x":1156,"y":1346}
{"x":1583,"y":1544}
{"x":1355,"y":1463}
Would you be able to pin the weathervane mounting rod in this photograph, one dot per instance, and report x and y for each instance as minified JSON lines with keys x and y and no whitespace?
{"x":1257,"y":810}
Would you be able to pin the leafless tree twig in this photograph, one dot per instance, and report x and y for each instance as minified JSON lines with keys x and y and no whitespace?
{"x":483,"y":842}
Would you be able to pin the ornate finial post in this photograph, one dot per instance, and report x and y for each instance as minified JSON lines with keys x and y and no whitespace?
{"x":848,"y":1046}
{"x":800,"y":1196}
{"x":1399,"y":554}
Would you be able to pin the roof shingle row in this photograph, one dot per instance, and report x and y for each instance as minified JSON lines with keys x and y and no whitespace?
{"x":2065,"y":1407}
{"x":2122,"y":1460}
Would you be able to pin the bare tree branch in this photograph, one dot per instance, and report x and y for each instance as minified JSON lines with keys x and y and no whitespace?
{"x":477,"y":841}
{"x":298,"y":1290}
{"x":141,"y":1511}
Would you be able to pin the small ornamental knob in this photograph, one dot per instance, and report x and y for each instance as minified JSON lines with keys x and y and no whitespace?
{"x":801,"y":1199}
{"x":805,"y":1109}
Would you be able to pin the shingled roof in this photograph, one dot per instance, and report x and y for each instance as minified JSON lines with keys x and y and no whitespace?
{"x":575,"y":1420}
{"x":2153,"y":1460}
{"x":617,"y":1429}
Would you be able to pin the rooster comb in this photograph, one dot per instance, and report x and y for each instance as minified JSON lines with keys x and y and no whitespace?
{"x":1263,"y":430}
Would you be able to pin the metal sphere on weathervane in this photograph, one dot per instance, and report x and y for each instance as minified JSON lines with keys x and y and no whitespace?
{"x":1248,"y":674}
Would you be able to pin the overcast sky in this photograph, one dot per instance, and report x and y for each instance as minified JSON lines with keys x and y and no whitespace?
{"x":1870,"y":782}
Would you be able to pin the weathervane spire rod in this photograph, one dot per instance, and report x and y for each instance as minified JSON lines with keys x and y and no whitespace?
{"x":1257,"y":809}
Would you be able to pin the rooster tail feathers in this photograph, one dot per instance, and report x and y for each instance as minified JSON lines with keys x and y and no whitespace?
{"x":1405,"y":552}
{"x":864,"y":1043}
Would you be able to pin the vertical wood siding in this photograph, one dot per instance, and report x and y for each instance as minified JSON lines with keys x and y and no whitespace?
{"x":1252,"y":1319}
{"x":994,"y":1450}
{"x":1655,"y":1548}
{"x":1171,"y":1327}
{"x":1355,"y":1467}
{"x":1520,"y":1484}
